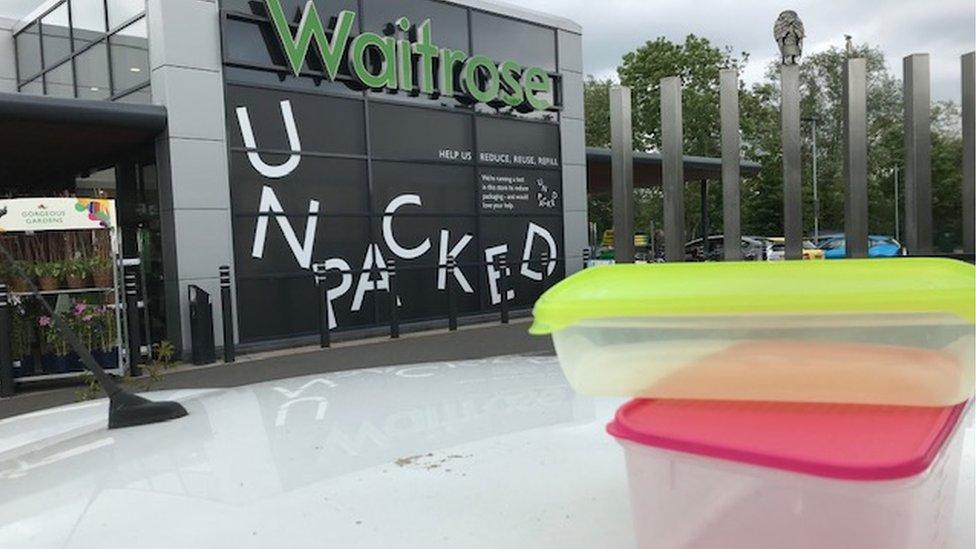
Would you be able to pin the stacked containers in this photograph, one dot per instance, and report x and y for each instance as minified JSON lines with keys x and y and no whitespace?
{"x":787,"y":404}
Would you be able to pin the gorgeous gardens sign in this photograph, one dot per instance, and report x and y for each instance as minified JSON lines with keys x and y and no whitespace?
{"x":416,"y":66}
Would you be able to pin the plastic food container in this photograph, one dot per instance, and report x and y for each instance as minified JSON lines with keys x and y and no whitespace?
{"x":893,"y":331}
{"x":729,"y":475}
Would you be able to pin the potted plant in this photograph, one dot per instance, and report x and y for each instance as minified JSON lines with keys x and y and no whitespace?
{"x":55,"y":361}
{"x":101,"y":271}
{"x":83,"y":320}
{"x":49,"y":274}
{"x":107,"y":352}
{"x":76,"y":272}
{"x":19,"y":283}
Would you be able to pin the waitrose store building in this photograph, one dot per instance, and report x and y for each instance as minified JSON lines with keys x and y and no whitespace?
{"x":270,"y":135}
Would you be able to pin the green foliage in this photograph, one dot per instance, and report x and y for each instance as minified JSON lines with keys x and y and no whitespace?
{"x":78,"y":267}
{"x":49,"y":268}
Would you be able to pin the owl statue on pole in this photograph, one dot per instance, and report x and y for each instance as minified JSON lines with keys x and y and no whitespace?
{"x":788,"y":32}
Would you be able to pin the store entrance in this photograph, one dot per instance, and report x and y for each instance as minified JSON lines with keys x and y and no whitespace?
{"x":93,"y":150}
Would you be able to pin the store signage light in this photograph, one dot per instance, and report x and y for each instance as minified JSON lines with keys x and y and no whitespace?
{"x":413,"y":67}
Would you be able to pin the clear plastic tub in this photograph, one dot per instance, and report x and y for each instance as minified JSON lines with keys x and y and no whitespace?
{"x":894,"y":331}
{"x":691,"y":500}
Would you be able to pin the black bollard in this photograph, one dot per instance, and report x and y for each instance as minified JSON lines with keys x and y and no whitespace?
{"x":322,"y":289}
{"x":503,"y":286}
{"x":452,"y":322}
{"x":6,"y":350}
{"x":132,"y":319}
{"x":226,"y":309}
{"x":586,"y":256}
{"x":394,"y":306}
{"x":544,"y":267}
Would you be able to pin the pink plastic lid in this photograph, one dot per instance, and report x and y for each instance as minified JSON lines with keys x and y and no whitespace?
{"x":847,"y":441}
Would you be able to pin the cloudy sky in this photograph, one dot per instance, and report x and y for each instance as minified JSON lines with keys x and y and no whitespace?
{"x":943,"y":28}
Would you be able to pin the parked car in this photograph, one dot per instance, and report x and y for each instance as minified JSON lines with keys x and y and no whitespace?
{"x":776,"y":249}
{"x":878,"y":246}
{"x":753,"y":249}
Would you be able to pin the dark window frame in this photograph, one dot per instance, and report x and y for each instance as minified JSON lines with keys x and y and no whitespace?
{"x":24,"y":80}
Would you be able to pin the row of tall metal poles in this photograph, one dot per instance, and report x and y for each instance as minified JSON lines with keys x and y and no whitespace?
{"x":917,"y":161}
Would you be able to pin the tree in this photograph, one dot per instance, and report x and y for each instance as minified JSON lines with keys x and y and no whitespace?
{"x":697,"y":62}
{"x":596,"y":98}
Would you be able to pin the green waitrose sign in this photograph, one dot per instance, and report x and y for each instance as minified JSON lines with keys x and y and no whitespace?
{"x":480,"y":78}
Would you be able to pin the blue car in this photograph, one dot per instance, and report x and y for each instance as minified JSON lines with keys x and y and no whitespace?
{"x":878,"y":246}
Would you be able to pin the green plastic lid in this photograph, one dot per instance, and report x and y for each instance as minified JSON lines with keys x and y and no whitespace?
{"x":896,"y":285}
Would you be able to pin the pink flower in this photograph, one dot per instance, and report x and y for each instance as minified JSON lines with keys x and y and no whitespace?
{"x":87,"y":318}
{"x":44,"y":321}
{"x":79,"y":308}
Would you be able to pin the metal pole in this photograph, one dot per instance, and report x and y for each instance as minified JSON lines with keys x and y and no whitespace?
{"x":501,"y":265}
{"x":854,"y":102}
{"x":792,"y":185}
{"x":703,"y":192}
{"x":622,"y":173}
{"x":672,"y":169}
{"x":816,"y":197}
{"x":968,"y":152}
{"x":731,"y":201}
{"x":142,"y":284}
{"x":227,"y":316}
{"x":452,"y":321}
{"x":322,"y":289}
{"x":918,"y":154}
{"x":897,"y":221}
{"x":6,"y":346}
{"x":132,"y":316}
{"x":394,"y":300}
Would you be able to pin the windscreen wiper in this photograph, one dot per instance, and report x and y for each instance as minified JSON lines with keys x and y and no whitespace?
{"x":124,"y":409}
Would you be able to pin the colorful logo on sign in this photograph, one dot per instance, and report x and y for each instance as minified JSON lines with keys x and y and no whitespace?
{"x":97,"y":211}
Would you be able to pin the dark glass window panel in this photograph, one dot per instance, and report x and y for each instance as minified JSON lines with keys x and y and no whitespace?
{"x":449,"y":29}
{"x":91,"y":73}
{"x":130,"y":56}
{"x":339,"y":185}
{"x":501,"y":142}
{"x":335,"y":236}
{"x":255,"y":43}
{"x":142,"y":96}
{"x":267,"y":307}
{"x":417,"y":278}
{"x":502,"y":38}
{"x":281,"y":79}
{"x":55,"y":36}
{"x":511,"y":230}
{"x":442,"y":189}
{"x":28,"y":52}
{"x":120,"y":11}
{"x":34,"y":87}
{"x":506,"y":191}
{"x":449,"y":24}
{"x":87,"y":21}
{"x":324,"y":124}
{"x":412,"y":133}
{"x":59,"y":82}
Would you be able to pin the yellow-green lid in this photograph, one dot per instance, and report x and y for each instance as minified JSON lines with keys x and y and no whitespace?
{"x":905,"y":285}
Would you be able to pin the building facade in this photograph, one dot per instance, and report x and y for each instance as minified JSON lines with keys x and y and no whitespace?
{"x":354,"y":133}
